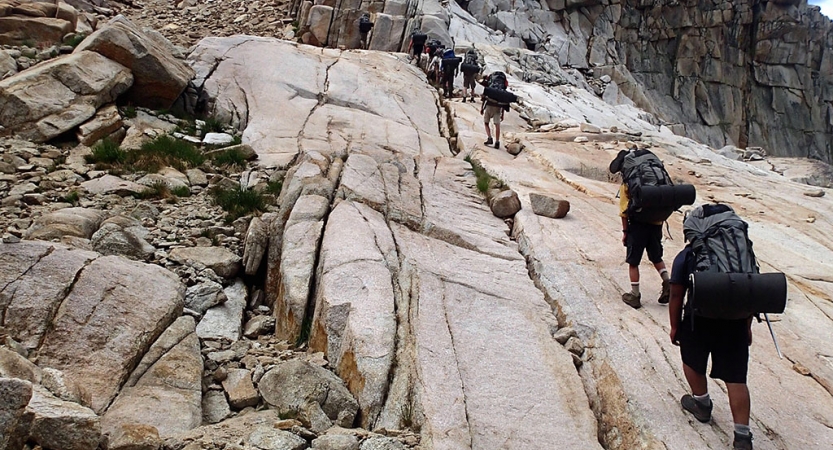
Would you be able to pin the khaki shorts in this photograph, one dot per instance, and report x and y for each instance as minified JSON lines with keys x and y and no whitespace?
{"x":492,"y":113}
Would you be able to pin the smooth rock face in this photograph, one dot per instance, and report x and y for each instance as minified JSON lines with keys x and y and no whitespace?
{"x":55,"y":423}
{"x":314,"y":395}
{"x":219,"y":259}
{"x":109,"y":184}
{"x":354,"y":322}
{"x":549,"y":207}
{"x":159,"y":77}
{"x":76,"y":86}
{"x":112,"y":315}
{"x":14,"y":396}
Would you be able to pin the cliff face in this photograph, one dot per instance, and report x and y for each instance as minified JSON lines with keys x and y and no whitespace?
{"x":748,"y":73}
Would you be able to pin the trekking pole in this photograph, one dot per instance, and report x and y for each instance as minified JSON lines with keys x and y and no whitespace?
{"x":772,"y":333}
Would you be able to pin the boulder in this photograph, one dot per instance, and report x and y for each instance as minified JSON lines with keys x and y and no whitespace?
{"x":589,"y":128}
{"x":319,"y":20}
{"x":382,"y":443}
{"x":114,"y":311}
{"x":336,"y":442}
{"x":300,"y":249}
{"x":169,"y":339}
{"x":546,"y":206}
{"x":105,"y":122}
{"x":12,"y":365}
{"x":110,"y":184}
{"x":203,"y":296}
{"x":215,"y":407}
{"x":225,"y":322}
{"x":266,"y":437}
{"x":8,"y":66}
{"x":237,"y":429}
{"x":16,"y":30}
{"x":62,"y":387}
{"x":122,"y":235}
{"x":217,"y":139}
{"x":134,"y":437}
{"x":168,"y":396}
{"x":159,"y":77}
{"x":257,"y":239}
{"x":258,"y":326}
{"x":313,"y":395}
{"x":171,"y":183}
{"x":76,"y":86}
{"x":14,"y":396}
{"x":54,"y":423}
{"x":505,"y":204}
{"x":240,"y":389}
{"x":219,"y":259}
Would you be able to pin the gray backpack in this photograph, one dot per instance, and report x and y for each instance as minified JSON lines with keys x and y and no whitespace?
{"x":719,"y":240}
{"x":641,"y":168}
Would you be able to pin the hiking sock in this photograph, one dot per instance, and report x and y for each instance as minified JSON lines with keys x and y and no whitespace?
{"x":742,"y":429}
{"x":635,"y":289}
{"x":664,"y":274}
{"x":704,"y":399}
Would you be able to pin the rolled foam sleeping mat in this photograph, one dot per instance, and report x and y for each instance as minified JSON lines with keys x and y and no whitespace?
{"x":737,"y":295}
{"x":500,"y":95}
{"x":652,"y":215}
{"x":675,"y":196}
{"x":469,"y":68}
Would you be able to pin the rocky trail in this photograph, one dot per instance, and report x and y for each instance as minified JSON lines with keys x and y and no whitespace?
{"x":399,"y":285}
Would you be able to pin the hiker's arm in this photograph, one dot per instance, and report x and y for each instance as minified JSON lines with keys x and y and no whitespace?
{"x":675,"y":310}
{"x":749,"y":327}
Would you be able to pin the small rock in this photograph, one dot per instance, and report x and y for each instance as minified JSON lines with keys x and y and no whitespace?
{"x":505,"y":204}
{"x":816,"y":194}
{"x":546,"y":206}
{"x":574,"y":346}
{"x":134,"y":436}
{"x":215,"y":408}
{"x":382,"y":443}
{"x":514,"y":148}
{"x":259,"y":325}
{"x":798,"y":367}
{"x":240,"y":389}
{"x":589,"y":128}
{"x":265,"y":437}
{"x":218,"y":139}
{"x":563,"y":334}
{"x":581,"y":139}
{"x":336,"y":442}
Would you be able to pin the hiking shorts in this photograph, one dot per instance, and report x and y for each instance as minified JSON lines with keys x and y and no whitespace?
{"x":492,"y":113}
{"x":468,"y":81}
{"x":727,"y":341}
{"x":418,"y":49}
{"x":641,"y":237}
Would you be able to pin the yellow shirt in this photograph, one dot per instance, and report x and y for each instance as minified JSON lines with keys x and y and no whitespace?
{"x":624,"y":199}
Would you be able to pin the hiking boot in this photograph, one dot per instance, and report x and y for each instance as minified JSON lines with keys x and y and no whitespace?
{"x":632,"y":300}
{"x":742,"y":442}
{"x":497,"y":144}
{"x":666,"y":292}
{"x":472,"y":99}
{"x":701,"y":413}
{"x":488,"y":141}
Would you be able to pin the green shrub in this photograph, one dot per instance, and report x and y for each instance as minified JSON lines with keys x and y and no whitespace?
{"x":107,"y":152}
{"x":484,"y":180}
{"x":158,"y":189}
{"x":212,"y":125}
{"x":238,"y":202}
{"x":274,"y":187}
{"x":181,"y":191}
{"x":230,"y":158}
{"x":129,"y":112}
{"x":166,"y":151}
{"x":72,"y":198}
{"x":75,"y":40}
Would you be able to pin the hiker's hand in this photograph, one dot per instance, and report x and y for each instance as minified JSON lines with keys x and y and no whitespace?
{"x":750,"y":335}
{"x":625,"y":238}
{"x":673,"y":335}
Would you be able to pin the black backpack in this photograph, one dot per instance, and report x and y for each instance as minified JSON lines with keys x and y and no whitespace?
{"x":497,"y":80}
{"x":470,"y":66}
{"x":726,"y":282}
{"x":365,"y":24}
{"x":419,"y":38}
{"x":640,"y":169}
{"x":496,"y":93}
{"x":433,"y":45}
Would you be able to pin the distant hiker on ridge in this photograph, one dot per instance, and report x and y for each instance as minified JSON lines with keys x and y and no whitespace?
{"x":365,"y":25}
{"x":638,"y":234}
{"x":492,"y":109}
{"x":417,"y":45}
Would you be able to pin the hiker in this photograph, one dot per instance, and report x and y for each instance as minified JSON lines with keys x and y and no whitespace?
{"x":364,"y":27}
{"x":470,"y":69}
{"x":434,"y":65}
{"x":727,"y":341}
{"x":450,"y":67}
{"x":639,"y":236}
{"x":417,"y":45}
{"x":491,"y":109}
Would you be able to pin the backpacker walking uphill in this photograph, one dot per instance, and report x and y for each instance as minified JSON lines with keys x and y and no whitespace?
{"x":646,"y":198}
{"x":470,"y":69}
{"x":496,"y":101}
{"x":450,"y":68}
{"x":719,"y":272}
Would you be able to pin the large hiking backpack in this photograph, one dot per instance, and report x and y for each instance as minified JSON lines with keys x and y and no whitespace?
{"x":653,"y":196}
{"x":419,"y":38}
{"x":433,"y":45}
{"x":496,"y":91}
{"x":365,"y":24}
{"x":726,"y":281}
{"x":470,"y":66}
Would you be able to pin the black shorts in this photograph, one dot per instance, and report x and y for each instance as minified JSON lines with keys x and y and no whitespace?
{"x":418,"y":49}
{"x":468,"y":81}
{"x":641,"y":237}
{"x":726,"y":340}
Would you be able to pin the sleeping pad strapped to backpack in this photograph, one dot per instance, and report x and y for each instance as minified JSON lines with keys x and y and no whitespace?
{"x":496,"y":91}
{"x":450,"y":61}
{"x":470,"y":66}
{"x":726,"y":283}
{"x":653,"y":196}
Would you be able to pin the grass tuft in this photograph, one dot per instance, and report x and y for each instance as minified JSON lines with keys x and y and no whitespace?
{"x":230,"y":158}
{"x":129,"y":112}
{"x":75,"y":40}
{"x":107,"y":151}
{"x":166,"y":151}
{"x":181,"y":191}
{"x":238,"y":202}
{"x":158,"y":189}
{"x":72,"y":198}
{"x":274,"y":187}
{"x":484,"y":180}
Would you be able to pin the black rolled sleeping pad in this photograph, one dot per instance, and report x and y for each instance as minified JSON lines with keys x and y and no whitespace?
{"x":500,"y":95}
{"x":469,"y":68}
{"x":670,"y":195}
{"x":730,"y":296}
